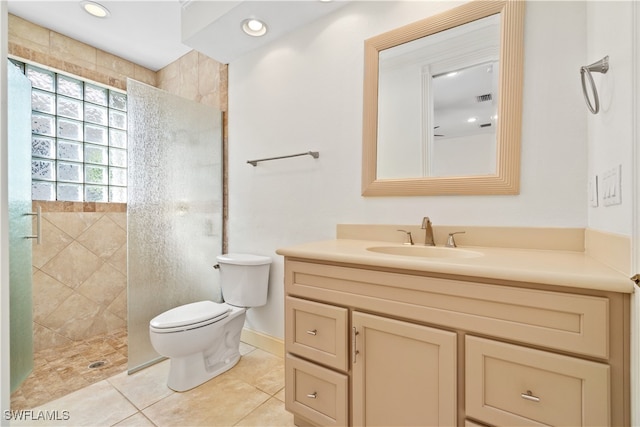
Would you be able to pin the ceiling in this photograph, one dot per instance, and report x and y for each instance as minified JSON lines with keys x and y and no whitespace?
{"x":148,"y":32}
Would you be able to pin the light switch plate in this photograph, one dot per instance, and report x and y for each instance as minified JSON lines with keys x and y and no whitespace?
{"x":593,"y":191}
{"x":611,"y":191}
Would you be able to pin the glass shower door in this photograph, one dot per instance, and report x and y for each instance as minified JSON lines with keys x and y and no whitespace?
{"x":174,"y":209}
{"x":20,"y":225}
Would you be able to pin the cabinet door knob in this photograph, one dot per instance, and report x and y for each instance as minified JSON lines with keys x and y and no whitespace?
{"x":529,"y":396}
{"x":313,"y":332}
{"x":313,"y":395}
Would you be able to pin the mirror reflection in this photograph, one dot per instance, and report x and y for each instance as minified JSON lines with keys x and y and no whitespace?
{"x":438,"y":103}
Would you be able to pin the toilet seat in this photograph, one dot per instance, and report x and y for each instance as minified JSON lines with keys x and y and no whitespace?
{"x":189,"y":316}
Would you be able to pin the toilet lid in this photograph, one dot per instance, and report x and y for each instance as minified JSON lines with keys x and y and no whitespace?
{"x":191,"y":314}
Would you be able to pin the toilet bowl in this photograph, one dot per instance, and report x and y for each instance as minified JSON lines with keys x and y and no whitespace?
{"x":202,"y":339}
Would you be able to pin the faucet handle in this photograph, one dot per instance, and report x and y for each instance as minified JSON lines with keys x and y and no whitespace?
{"x":409,"y":240}
{"x":425,"y":222}
{"x":451,"y":241}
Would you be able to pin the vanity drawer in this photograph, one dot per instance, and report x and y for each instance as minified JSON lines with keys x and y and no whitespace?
{"x":316,"y":393}
{"x":317,"y":331}
{"x":512,"y":385}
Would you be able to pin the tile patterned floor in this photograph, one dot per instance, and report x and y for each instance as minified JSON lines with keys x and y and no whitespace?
{"x":250,"y":394}
{"x":60,"y":371}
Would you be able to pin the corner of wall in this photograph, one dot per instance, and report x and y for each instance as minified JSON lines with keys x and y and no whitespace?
{"x":611,"y":249}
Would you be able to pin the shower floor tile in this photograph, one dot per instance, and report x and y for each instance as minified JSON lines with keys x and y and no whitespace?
{"x":63,"y":370}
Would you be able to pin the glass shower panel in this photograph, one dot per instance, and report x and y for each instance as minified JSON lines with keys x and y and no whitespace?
{"x":174,"y":211}
{"x":20,"y":226}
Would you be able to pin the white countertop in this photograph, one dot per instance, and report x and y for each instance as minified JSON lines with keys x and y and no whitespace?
{"x":552,"y":267}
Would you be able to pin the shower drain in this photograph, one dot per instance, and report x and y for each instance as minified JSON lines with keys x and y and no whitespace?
{"x":98,"y":364}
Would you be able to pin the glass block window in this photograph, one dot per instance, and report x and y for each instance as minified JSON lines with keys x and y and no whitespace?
{"x":79,"y":138}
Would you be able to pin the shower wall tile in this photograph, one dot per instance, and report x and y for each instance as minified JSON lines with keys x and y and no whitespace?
{"x":28,"y":35}
{"x":119,"y":219}
{"x":119,"y":305}
{"x":73,"y":225}
{"x":196,"y":77}
{"x":74,"y":317}
{"x":189,"y":73}
{"x":119,"y":260}
{"x":48,"y":294}
{"x":45,"y":338}
{"x":107,"y":62}
{"x":103,"y":238}
{"x":104,"y":286}
{"x":73,"y":265}
{"x":31,"y":42}
{"x":55,"y":240}
{"x":73,"y":51}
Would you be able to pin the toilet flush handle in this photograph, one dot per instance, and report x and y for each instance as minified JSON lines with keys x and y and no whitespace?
{"x":217,"y":266}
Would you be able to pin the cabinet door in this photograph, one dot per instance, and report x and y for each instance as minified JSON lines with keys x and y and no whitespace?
{"x":403,"y":374}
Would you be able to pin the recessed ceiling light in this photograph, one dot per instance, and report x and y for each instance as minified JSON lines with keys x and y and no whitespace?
{"x":95,"y":9}
{"x":254,"y":27}
{"x":472,"y":119}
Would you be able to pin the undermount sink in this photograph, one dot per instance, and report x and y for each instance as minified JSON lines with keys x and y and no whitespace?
{"x":425,"y":251}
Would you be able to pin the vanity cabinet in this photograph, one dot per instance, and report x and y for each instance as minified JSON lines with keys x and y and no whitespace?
{"x":375,"y":346}
{"x":402,"y":373}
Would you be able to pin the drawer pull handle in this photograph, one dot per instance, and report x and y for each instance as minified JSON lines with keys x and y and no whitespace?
{"x":354,"y":344}
{"x":313,"y":332}
{"x":313,"y":395}
{"x":529,"y":396}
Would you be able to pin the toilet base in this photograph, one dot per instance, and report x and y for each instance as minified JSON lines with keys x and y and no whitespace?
{"x":189,"y":372}
{"x":192,"y":370}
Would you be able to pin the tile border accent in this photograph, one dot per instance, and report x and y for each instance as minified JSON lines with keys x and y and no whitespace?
{"x":56,"y":206}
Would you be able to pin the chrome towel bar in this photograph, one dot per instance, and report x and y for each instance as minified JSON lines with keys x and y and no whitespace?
{"x":314,"y":154}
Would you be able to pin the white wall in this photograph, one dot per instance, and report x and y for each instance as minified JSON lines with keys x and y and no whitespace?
{"x":610,"y":132}
{"x":304,"y":92}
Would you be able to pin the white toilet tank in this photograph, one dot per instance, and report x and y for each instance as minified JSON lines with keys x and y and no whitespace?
{"x":244,"y":279}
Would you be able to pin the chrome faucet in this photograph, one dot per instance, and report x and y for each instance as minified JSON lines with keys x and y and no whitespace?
{"x":428,"y":232}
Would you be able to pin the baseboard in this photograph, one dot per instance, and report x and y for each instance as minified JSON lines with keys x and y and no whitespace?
{"x":263,"y":342}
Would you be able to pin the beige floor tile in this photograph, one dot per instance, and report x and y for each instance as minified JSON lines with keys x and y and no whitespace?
{"x":269,"y":414}
{"x":136,"y":420}
{"x":222,"y":401}
{"x":280,"y":395}
{"x":260,"y":369}
{"x":99,"y":404}
{"x":144,"y":387}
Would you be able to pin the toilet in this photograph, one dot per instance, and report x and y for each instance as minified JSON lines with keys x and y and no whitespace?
{"x":202,"y":339}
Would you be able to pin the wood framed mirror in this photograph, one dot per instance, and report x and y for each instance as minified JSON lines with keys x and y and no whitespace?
{"x":417,"y":171}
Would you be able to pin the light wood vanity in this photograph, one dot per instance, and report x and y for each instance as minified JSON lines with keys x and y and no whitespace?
{"x":514,"y":337}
